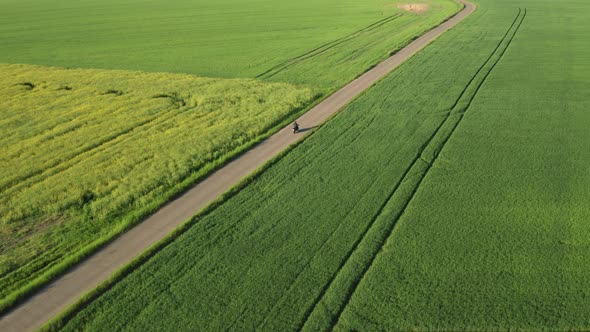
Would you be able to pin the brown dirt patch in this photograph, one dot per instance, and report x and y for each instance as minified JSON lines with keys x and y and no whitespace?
{"x":414,"y":7}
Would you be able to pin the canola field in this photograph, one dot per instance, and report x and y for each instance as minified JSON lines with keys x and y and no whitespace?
{"x":450,"y":196}
{"x":85,"y":153}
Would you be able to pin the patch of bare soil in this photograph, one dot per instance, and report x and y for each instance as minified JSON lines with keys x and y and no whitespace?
{"x":414,"y":7}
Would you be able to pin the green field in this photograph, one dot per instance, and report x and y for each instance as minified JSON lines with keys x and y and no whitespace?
{"x":497,"y":236}
{"x":451,"y":196}
{"x":237,"y":38}
{"x":86,"y":153}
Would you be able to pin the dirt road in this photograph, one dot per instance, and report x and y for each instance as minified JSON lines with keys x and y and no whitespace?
{"x":65,"y":290}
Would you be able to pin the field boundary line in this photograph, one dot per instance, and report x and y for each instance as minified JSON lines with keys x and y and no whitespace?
{"x":428,"y":164}
{"x":95,"y":271}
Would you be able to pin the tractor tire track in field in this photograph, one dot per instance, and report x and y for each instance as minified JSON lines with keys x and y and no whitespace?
{"x":323,"y":48}
{"x":322,"y":316}
{"x":324,"y":244}
{"x":65,"y":290}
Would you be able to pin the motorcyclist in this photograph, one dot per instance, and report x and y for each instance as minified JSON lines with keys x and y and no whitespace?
{"x":295,"y":127}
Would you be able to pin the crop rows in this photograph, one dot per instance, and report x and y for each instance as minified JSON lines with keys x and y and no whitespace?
{"x":363,"y":254}
{"x":324,"y":48}
{"x":87,"y":154}
{"x":266,"y":258}
{"x":348,"y":56}
{"x":453,"y":195}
